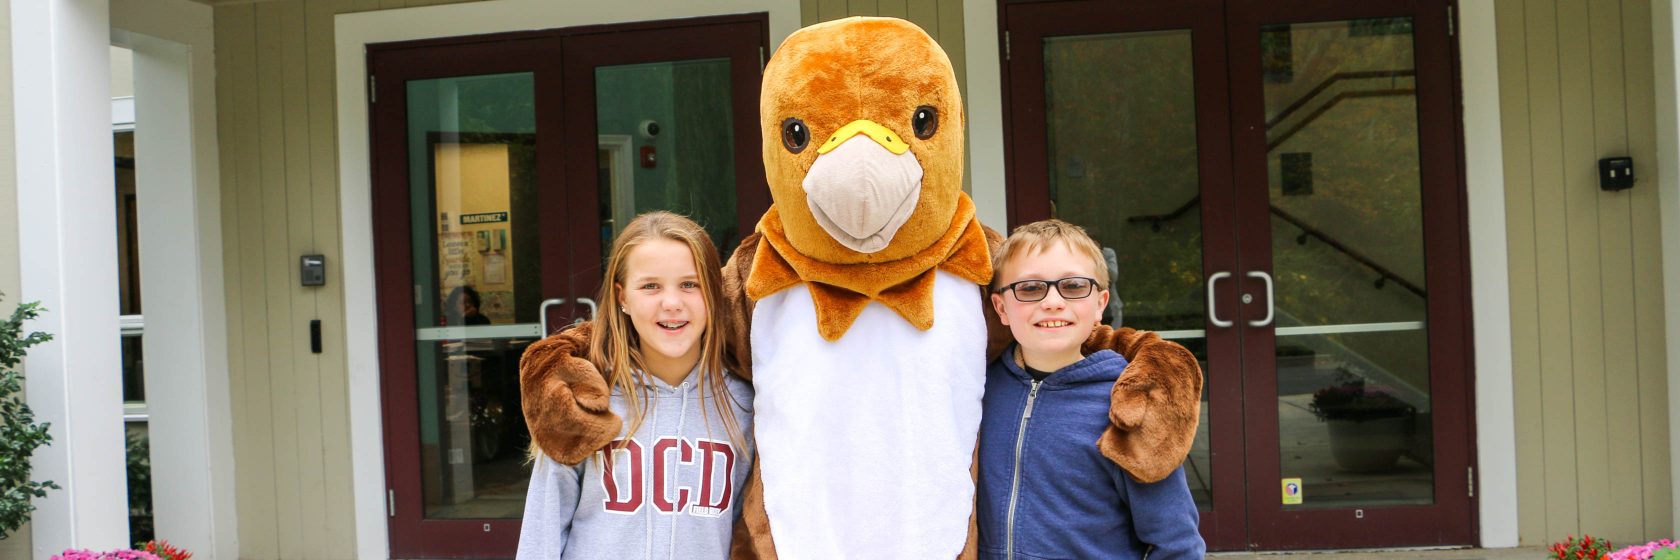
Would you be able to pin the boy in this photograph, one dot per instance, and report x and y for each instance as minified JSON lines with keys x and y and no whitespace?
{"x":1045,"y":491}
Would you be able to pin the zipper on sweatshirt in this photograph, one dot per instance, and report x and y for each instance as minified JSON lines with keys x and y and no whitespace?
{"x":1015,"y":474}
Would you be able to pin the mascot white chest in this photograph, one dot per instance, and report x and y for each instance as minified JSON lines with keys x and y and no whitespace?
{"x":865,"y":443}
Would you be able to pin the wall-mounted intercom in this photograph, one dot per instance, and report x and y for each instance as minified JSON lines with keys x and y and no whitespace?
{"x":1615,"y":173}
{"x":313,"y":270}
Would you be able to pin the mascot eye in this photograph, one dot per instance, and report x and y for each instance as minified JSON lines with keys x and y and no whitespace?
{"x":795,"y":135}
{"x":925,"y":122}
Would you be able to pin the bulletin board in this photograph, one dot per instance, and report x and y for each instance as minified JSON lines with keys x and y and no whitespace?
{"x":472,"y":180}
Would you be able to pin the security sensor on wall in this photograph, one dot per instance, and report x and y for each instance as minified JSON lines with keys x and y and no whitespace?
{"x":648,"y":128}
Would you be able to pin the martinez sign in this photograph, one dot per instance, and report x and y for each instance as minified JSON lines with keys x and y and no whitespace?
{"x":485,"y":218}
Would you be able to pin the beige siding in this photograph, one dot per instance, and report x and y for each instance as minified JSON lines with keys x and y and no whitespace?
{"x":1586,"y":296}
{"x":275,"y":90}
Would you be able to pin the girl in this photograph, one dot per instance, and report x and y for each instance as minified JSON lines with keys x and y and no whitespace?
{"x":670,"y":486}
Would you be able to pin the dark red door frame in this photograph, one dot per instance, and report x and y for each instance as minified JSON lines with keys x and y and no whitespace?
{"x":542,"y":54}
{"x":737,"y":40}
{"x":1231,"y":147}
{"x":1449,"y":520}
{"x":1027,"y":159}
{"x":410,"y":533}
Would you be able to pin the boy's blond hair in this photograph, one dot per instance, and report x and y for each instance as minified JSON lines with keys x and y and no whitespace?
{"x":1039,"y":236}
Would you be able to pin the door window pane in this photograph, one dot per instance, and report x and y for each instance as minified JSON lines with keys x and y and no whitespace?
{"x":471,"y":147}
{"x":1123,"y":164}
{"x":666,"y":142}
{"x":1348,"y":261}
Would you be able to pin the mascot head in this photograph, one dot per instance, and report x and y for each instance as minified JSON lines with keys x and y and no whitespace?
{"x":863,"y":140}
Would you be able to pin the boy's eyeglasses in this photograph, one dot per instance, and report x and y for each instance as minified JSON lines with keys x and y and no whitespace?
{"x":1072,"y":287}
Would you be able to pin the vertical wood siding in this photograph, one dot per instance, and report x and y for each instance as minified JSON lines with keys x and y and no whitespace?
{"x":276,"y":96}
{"x":1575,"y":85}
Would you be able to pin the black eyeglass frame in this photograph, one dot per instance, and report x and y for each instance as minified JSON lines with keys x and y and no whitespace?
{"x":1057,"y":283}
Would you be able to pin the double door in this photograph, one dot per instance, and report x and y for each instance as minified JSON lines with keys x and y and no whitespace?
{"x":1279,"y":182}
{"x":503,"y":167}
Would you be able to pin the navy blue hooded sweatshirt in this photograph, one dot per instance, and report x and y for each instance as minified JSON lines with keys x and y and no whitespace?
{"x":1068,"y":500}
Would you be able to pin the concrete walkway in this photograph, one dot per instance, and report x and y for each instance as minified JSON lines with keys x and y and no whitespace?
{"x":1530,"y":553}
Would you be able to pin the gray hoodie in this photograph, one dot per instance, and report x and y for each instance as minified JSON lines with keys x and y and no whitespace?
{"x":675,"y":489}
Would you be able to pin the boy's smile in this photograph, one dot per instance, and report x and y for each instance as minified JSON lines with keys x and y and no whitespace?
{"x":1050,"y":330}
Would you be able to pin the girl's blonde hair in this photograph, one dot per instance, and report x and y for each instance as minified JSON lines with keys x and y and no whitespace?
{"x":615,"y":347}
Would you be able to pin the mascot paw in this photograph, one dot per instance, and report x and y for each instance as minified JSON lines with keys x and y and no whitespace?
{"x":1129,"y":402}
{"x":1154,"y":407}
{"x":566,"y":399}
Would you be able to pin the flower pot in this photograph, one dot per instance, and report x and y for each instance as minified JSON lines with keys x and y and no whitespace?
{"x":1370,"y":445}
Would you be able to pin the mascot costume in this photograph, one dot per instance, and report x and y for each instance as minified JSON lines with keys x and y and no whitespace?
{"x":860,"y":316}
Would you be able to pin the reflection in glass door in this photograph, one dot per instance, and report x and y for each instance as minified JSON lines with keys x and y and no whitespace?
{"x":672,"y":114}
{"x":675,"y":119}
{"x":1347,"y":259}
{"x":1143,"y":95}
{"x":478,"y":269}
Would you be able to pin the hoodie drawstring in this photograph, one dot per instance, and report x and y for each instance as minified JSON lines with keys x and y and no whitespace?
{"x":675,"y":471}
{"x":647,"y":512}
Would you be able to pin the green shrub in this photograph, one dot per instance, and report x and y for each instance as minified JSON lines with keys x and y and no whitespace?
{"x":19,"y":434}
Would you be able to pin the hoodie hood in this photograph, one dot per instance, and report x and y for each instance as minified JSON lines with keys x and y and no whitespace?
{"x":1103,"y":366}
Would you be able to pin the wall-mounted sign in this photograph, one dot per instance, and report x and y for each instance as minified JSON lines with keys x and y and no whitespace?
{"x":484,"y":218}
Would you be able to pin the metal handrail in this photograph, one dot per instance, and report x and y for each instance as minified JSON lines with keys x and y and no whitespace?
{"x":1384,"y":273}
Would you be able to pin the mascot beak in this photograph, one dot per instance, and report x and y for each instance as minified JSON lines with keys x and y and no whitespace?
{"x":863,"y":186}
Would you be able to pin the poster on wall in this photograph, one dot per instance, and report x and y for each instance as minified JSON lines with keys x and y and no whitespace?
{"x":475,"y":256}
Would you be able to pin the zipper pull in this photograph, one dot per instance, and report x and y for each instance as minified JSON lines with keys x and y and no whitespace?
{"x":1030,"y":397}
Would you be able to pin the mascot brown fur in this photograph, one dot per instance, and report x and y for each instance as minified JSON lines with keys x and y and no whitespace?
{"x":827,"y":83}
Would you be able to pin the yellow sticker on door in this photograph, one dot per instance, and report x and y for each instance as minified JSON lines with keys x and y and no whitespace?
{"x":1291,"y":491}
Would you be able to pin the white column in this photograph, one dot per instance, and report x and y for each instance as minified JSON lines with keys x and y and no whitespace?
{"x":67,"y":224}
{"x":1496,"y":436}
{"x":1663,"y":23}
{"x":185,"y":344}
{"x":180,"y":277}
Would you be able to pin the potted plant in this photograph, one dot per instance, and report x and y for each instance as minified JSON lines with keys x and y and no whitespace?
{"x":1368,"y":424}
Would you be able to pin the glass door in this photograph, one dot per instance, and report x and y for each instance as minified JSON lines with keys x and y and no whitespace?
{"x":682,"y":102}
{"x":1278,"y":183}
{"x":503,"y":168}
{"x":1350,"y":243}
{"x":469,"y":274}
{"x":1131,"y":143}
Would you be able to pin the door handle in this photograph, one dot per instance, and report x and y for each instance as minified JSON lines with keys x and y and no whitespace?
{"x":592,"y":309}
{"x":1213,"y":306}
{"x":542,"y":312}
{"x":1270,"y":305}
